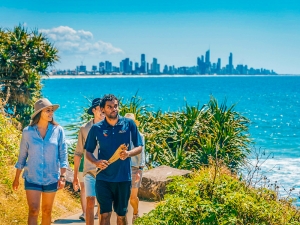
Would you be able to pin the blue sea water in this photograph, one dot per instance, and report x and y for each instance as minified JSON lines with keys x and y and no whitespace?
{"x":272,"y":103}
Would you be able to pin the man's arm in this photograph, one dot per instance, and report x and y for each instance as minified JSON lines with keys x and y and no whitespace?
{"x":77,"y":158}
{"x":102,"y":164}
{"x":90,"y":145}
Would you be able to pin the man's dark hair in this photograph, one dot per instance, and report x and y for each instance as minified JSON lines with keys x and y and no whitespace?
{"x":105,"y":98}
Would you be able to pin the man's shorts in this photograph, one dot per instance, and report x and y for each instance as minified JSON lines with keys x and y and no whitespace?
{"x":80,"y":177}
{"x":89,"y":183}
{"x":114,"y":194}
{"x":134,"y":171}
{"x":42,"y":188}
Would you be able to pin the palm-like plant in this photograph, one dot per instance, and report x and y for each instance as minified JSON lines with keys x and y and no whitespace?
{"x":188,"y":139}
{"x":24,"y":57}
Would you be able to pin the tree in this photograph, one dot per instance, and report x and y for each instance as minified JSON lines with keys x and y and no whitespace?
{"x":24,"y":58}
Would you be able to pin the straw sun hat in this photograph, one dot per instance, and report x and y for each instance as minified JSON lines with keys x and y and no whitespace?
{"x":41,"y":104}
{"x":132,"y":116}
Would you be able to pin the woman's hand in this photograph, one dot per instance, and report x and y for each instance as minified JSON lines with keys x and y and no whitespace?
{"x":15,"y":184}
{"x":61,"y":183}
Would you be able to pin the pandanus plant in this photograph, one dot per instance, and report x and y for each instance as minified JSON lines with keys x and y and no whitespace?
{"x":24,"y":56}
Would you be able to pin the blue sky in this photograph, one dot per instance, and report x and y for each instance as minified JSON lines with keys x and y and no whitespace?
{"x":259,"y":33}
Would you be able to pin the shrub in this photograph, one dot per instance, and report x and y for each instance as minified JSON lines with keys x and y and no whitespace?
{"x":213,"y":195}
{"x":188,"y":138}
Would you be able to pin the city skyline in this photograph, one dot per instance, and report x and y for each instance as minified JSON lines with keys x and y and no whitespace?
{"x":204,"y":66}
{"x":260,"y":33}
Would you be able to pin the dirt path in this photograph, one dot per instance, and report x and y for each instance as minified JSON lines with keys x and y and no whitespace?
{"x":144,"y":207}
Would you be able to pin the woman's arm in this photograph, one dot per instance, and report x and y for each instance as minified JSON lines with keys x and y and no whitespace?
{"x":62,"y":150}
{"x":23,"y":154}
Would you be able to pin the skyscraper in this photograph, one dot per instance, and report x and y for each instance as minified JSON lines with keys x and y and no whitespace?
{"x":126,"y":66}
{"x":143,"y":64}
{"x":207,"y":62}
{"x":219,"y":65}
{"x":230,"y":63}
{"x":136,"y":68}
{"x":207,"y":57}
{"x":154,"y":66}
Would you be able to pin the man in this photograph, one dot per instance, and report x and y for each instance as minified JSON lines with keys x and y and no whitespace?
{"x":137,"y":165}
{"x":113,"y":182}
{"x":89,"y":169}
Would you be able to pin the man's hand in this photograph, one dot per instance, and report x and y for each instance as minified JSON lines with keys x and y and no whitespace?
{"x":138,"y":176}
{"x":102,"y":164}
{"x":124,"y":155}
{"x":76,"y":184}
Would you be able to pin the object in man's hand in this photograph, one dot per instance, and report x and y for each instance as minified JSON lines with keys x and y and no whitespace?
{"x":115,"y":156}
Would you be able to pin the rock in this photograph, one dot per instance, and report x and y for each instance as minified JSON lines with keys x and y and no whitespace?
{"x":154,"y":181}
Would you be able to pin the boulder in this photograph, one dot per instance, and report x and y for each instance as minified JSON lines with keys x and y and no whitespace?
{"x":154,"y":181}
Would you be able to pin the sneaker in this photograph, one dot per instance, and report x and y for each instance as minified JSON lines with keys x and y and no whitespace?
{"x":134,"y":217}
{"x":96,"y":216}
{"x":82,"y":217}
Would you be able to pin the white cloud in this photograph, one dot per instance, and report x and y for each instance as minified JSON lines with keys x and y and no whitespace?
{"x":68,"y":40}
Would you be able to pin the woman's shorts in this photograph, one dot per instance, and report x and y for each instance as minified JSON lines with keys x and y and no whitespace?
{"x":41,"y":188}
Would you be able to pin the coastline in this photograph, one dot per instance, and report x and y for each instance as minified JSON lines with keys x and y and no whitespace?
{"x":155,"y":76}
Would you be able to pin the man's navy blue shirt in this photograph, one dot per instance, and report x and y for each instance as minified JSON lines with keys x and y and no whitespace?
{"x":109,"y":139}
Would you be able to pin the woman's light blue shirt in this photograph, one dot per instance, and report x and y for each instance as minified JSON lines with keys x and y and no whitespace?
{"x":42,"y":158}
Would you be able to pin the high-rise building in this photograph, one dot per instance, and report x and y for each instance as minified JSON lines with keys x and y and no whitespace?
{"x":126,"y":66}
{"x":101,"y":67}
{"x":130,"y":66}
{"x":230,"y":63}
{"x":207,"y":57}
{"x":165,"y":70}
{"x":143,"y":64}
{"x":219,"y":65}
{"x":136,"y":68}
{"x":81,"y":69}
{"x":122,"y":66}
{"x":94,"y":69}
{"x":108,"y":67}
{"x":154,"y":66}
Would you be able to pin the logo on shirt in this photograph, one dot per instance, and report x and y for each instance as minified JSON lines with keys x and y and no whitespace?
{"x":105,"y":133}
{"x":122,"y":131}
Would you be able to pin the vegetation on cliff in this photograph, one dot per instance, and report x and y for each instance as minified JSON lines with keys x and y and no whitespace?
{"x":213,"y":195}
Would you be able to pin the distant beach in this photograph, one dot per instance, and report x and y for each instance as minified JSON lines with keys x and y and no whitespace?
{"x":154,"y":76}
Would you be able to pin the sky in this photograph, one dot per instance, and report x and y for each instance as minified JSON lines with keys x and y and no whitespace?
{"x":259,"y":33}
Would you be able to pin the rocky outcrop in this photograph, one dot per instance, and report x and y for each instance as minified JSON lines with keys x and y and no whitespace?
{"x":154,"y":182}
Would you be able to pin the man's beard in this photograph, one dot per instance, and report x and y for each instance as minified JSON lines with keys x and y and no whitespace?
{"x":113,"y":116}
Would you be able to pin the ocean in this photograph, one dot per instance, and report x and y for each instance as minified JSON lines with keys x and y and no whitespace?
{"x":272,"y":103}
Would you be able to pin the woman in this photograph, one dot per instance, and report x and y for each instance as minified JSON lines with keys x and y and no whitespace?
{"x":43,"y":155}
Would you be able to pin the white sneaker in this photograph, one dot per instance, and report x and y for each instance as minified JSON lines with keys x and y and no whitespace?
{"x":134,"y":217}
{"x":82,"y":217}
